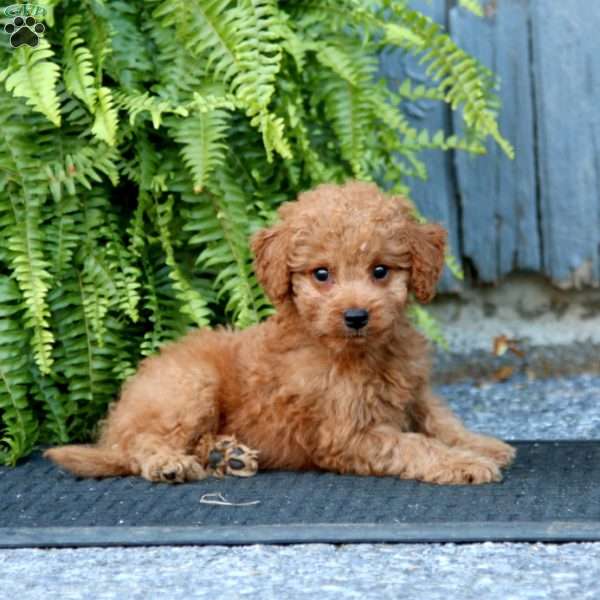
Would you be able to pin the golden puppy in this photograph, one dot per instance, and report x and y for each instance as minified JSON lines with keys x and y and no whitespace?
{"x":337,"y":379}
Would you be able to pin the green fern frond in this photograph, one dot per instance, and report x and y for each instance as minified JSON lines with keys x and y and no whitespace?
{"x":240,"y":49}
{"x":454,"y":266}
{"x":160,"y":299}
{"x":106,"y":117}
{"x":86,"y":368}
{"x":202,"y":138}
{"x":33,"y":76}
{"x":135,"y":104}
{"x":347,"y":98}
{"x":85,"y":165}
{"x":126,"y":276}
{"x":272,"y":129}
{"x":144,"y":142}
{"x":407,"y":90}
{"x":78,"y":64}
{"x":193,"y":304}
{"x":219,"y":221}
{"x":128,"y":56}
{"x":98,"y":290}
{"x":54,"y":403}
{"x":19,"y":429}
{"x":62,"y":239}
{"x":464,"y":81}
{"x":31,"y":271}
{"x":349,"y":109}
{"x":425,"y":323}
{"x":473,"y":6}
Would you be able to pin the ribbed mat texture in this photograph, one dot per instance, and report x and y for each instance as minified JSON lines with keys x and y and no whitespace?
{"x":550,"y":483}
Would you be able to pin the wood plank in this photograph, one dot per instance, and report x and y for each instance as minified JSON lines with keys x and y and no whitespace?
{"x":498,"y":196}
{"x":566,"y":58}
{"x":435,"y":197}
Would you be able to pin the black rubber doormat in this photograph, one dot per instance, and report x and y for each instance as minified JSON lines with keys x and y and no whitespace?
{"x":551,"y":493}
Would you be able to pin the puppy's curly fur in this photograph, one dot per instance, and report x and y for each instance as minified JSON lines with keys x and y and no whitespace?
{"x":305,"y":389}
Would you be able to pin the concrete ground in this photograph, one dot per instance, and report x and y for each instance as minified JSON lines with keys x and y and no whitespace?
{"x":554,"y":332}
{"x":565,"y":408}
{"x":523,"y":307}
{"x":432,"y":572}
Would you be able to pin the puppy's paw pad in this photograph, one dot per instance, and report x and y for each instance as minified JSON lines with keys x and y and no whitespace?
{"x":230,"y":458}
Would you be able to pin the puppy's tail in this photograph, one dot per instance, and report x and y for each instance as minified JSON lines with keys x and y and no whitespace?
{"x":90,"y":461}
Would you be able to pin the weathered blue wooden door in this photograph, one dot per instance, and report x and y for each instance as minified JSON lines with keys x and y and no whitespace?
{"x":541,"y":211}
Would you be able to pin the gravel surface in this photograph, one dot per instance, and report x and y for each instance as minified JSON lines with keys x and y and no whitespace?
{"x":559,"y":409}
{"x":567,"y":408}
{"x":539,"y":362}
{"x":488,"y":571}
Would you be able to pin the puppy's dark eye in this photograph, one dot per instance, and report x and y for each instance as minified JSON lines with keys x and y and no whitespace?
{"x":321,"y":274}
{"x":380,"y":271}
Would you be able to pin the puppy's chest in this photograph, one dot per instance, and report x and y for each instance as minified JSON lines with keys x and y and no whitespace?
{"x":364,"y":400}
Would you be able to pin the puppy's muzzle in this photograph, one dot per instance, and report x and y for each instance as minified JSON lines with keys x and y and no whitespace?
{"x":356,"y":318}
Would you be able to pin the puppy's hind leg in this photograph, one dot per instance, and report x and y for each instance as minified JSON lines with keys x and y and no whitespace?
{"x":158,"y":460}
{"x":162,"y":414}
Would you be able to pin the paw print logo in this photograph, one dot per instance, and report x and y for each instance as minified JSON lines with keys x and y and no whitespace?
{"x":24,"y":31}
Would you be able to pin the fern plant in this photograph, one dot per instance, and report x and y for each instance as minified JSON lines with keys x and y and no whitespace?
{"x":142,"y":142}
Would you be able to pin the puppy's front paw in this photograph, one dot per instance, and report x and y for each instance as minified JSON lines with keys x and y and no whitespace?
{"x":169,"y":468}
{"x":465,"y":470}
{"x":228,"y":457}
{"x":496,"y":450}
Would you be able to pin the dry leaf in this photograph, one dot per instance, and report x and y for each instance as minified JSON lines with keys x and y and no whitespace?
{"x":503,"y":373}
{"x":500,"y":345}
{"x":530,"y":373}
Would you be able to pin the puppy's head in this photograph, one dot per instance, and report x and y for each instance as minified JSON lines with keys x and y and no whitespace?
{"x":347,"y":257}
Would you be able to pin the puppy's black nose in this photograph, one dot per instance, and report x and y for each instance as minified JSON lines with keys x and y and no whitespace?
{"x":356,"y":318}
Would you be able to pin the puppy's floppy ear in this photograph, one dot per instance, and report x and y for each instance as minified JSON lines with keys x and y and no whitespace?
{"x":270,"y":248}
{"x":427,"y":244}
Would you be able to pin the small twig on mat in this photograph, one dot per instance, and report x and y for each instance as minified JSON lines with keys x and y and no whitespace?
{"x":220,"y":500}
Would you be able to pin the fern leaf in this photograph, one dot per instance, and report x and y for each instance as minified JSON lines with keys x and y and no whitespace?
{"x":85,"y":366}
{"x":193,"y":304}
{"x":240,"y":49}
{"x":31,"y":75}
{"x":98,"y":289}
{"x":125,"y":273}
{"x":220,"y":221}
{"x":31,"y":271}
{"x":54,"y":403}
{"x":348,"y":108}
{"x":106,"y":117}
{"x":427,"y":325}
{"x":272,"y":129}
{"x":473,"y":6}
{"x":62,"y":237}
{"x":202,"y":137}
{"x":168,"y":322}
{"x":128,"y":49}
{"x":20,"y":427}
{"x":135,"y":104}
{"x":464,"y":81}
{"x":83,"y":164}
{"x":454,"y":266}
{"x":78,"y":61}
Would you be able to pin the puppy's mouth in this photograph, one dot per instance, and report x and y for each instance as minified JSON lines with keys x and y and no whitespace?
{"x":356,"y":334}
